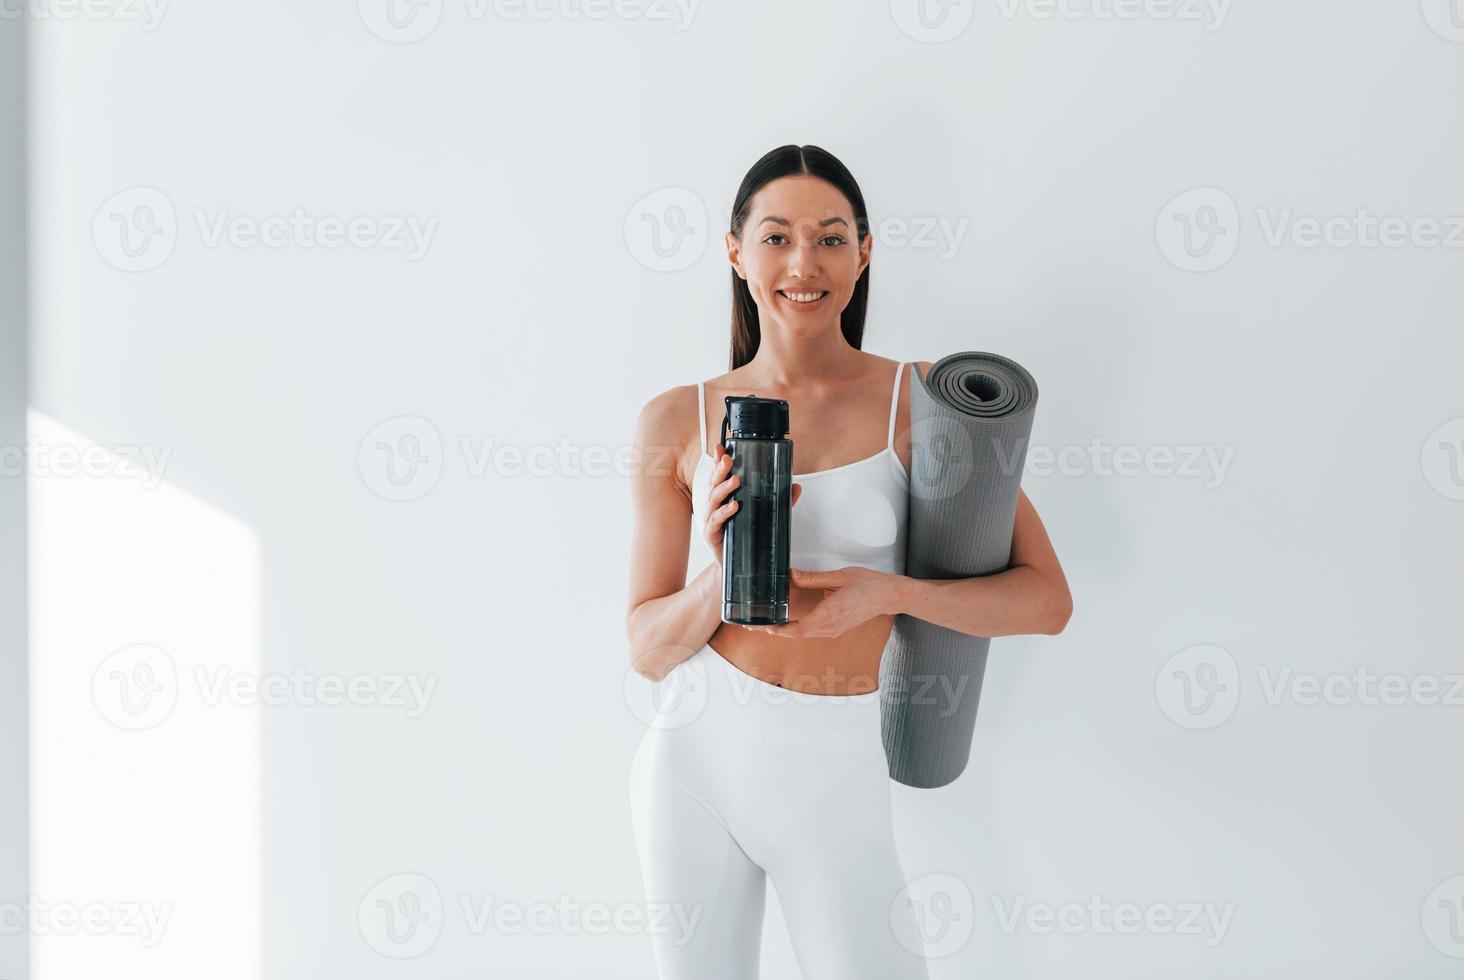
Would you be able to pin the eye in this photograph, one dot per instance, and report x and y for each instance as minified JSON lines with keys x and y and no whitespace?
{"x":835,"y":240}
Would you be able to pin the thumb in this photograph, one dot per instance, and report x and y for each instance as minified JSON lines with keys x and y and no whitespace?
{"x":817,"y":580}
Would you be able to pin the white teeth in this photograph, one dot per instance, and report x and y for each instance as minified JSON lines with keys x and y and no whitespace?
{"x":803,"y":297}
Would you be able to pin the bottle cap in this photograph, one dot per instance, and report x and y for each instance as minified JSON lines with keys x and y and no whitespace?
{"x":751,"y":417}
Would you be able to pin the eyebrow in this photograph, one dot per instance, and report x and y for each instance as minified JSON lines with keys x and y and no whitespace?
{"x":824,"y":223}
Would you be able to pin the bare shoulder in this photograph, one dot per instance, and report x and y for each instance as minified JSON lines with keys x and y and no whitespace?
{"x":924,"y":368}
{"x":667,"y":430}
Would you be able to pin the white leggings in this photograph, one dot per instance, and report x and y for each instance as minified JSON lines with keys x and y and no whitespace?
{"x":738,"y":780}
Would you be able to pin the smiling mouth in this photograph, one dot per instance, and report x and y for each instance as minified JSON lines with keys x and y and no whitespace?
{"x":803,"y":298}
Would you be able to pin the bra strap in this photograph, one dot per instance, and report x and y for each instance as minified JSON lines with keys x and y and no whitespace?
{"x":894,"y":406}
{"x":701,"y":411}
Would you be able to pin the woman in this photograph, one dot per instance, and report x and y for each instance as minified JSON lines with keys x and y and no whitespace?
{"x":764,"y":782}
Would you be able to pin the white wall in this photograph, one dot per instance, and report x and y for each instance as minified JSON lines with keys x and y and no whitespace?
{"x":14,"y":720}
{"x":534,"y":156}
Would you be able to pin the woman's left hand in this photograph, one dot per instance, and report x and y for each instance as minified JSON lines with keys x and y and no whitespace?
{"x":852,"y":595}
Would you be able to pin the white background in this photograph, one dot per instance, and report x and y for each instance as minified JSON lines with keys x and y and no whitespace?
{"x":576,"y":174}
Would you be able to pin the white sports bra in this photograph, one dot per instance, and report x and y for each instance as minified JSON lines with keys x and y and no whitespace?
{"x":853,"y":514}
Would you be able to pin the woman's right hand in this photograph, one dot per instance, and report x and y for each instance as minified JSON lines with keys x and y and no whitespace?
{"x":719,"y":509}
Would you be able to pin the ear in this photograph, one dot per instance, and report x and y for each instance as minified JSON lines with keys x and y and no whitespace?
{"x":865,"y":248}
{"x":734,"y":254}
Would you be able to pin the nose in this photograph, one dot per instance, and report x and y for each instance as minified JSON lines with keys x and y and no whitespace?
{"x":803,"y":261}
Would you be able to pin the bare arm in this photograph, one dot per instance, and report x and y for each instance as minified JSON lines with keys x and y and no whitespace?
{"x":667,"y":619}
{"x":1030,"y":596}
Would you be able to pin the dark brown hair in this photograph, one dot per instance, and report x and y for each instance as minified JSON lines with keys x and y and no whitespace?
{"x":785,"y":160}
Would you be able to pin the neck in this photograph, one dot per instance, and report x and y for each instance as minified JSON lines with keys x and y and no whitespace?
{"x":787,"y":360}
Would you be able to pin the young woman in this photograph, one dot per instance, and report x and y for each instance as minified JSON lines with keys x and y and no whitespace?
{"x":781,"y":773}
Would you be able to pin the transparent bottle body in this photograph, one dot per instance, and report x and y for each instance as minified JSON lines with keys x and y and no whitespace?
{"x":755,"y":540}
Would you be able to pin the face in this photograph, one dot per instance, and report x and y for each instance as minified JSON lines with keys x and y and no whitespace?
{"x":800,"y":253}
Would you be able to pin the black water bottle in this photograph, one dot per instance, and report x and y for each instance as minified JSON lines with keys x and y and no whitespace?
{"x":755,"y":539}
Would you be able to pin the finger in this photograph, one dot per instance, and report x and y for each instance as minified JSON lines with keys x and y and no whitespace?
{"x":797,"y":492}
{"x":717,"y":496}
{"x":817,"y":580}
{"x":726,"y":486}
{"x":722,"y":514}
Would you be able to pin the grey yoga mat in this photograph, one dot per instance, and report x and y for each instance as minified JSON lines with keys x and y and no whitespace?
{"x":970,"y":421}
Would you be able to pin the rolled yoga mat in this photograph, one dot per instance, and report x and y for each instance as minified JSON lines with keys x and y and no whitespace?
{"x":970,"y":421}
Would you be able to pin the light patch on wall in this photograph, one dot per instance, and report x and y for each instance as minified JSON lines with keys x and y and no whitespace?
{"x":145,"y":800}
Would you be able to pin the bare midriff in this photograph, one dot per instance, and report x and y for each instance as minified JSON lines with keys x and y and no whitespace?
{"x":847,"y":664}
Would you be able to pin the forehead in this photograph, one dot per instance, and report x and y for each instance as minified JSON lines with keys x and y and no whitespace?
{"x":801,"y":200}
